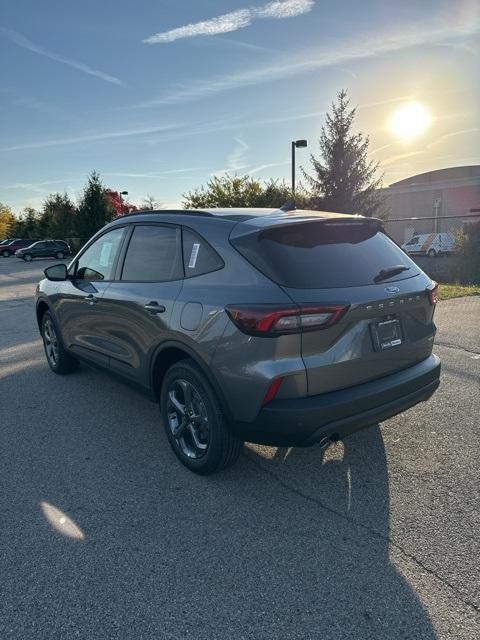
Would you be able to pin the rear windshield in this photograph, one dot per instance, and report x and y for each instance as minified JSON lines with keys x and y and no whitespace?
{"x":322,"y":255}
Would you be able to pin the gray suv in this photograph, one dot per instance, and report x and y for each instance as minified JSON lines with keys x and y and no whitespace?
{"x":285,"y":328}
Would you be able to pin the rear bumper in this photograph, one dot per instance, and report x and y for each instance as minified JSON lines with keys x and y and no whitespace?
{"x":305,"y":421}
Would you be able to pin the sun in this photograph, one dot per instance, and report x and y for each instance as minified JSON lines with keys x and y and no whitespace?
{"x":409,"y":121}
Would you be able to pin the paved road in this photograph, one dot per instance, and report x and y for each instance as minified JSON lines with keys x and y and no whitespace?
{"x":105,"y":535}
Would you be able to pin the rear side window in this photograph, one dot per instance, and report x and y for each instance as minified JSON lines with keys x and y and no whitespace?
{"x":198,"y":256}
{"x":153,"y":254}
{"x":319,"y":255}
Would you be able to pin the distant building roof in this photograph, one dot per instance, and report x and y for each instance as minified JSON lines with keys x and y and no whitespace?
{"x":442,"y":175}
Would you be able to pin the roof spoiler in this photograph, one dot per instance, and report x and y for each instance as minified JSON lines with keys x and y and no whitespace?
{"x":289,"y":205}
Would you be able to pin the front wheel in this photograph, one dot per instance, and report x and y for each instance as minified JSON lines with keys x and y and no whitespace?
{"x":27,"y":257}
{"x":194,"y":421}
{"x":59,"y":360}
{"x":59,"y":255}
{"x":5,"y":254}
{"x":431,"y":253}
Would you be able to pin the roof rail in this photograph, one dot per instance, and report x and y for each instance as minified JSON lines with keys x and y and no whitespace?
{"x":181,"y":212}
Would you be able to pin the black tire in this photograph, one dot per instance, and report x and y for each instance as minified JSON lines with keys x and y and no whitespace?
{"x":59,"y":255}
{"x":222,"y":447}
{"x":5,"y":254}
{"x":431,"y":253}
{"x":28,"y":257}
{"x":59,"y":361}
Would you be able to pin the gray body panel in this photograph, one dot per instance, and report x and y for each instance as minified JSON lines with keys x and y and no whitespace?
{"x":120,"y":334}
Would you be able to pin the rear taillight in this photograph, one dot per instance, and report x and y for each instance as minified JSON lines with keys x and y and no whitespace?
{"x":433,"y":293}
{"x":271,"y":320}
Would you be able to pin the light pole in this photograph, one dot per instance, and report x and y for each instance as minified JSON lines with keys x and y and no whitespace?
{"x":437,"y":203}
{"x":296,"y":144}
{"x":122,"y":193}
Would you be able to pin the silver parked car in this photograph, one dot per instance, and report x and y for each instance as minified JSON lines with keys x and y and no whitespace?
{"x":278,"y":327}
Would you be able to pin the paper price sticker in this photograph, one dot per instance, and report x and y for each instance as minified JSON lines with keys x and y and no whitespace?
{"x":194,"y":255}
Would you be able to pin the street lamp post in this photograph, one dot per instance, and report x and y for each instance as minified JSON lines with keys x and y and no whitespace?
{"x":122,"y":193}
{"x":296,"y":144}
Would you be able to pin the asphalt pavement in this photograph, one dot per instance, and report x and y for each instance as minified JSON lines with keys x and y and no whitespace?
{"x":105,"y":535}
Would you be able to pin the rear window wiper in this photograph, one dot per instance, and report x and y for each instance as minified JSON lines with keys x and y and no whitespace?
{"x":384,"y":274}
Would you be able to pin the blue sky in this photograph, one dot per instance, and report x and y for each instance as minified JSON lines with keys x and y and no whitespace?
{"x":159,"y":95}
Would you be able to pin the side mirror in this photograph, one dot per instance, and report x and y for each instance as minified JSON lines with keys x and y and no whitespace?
{"x":56,"y":273}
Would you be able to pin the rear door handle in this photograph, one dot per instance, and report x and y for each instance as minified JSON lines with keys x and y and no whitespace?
{"x":153,"y":307}
{"x":91,"y":299}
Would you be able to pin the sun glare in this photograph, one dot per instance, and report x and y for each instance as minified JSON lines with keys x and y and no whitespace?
{"x":409,"y":121}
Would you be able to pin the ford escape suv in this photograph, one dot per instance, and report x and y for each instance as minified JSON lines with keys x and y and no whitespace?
{"x":285,"y":328}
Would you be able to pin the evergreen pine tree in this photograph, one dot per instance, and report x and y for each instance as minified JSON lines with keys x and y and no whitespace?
{"x":94,"y":210}
{"x":344,"y":179}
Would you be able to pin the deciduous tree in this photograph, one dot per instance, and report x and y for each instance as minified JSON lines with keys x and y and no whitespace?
{"x":7,"y":220}
{"x":240,"y":191}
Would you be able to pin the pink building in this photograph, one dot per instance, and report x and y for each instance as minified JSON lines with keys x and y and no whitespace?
{"x":440,"y":193}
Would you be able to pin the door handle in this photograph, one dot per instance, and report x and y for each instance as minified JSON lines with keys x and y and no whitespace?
{"x":91,"y":299}
{"x":153,"y":307}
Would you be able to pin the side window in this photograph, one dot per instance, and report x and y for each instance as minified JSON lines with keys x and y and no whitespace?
{"x":198,"y":255}
{"x":96,"y":263}
{"x":153,"y":254}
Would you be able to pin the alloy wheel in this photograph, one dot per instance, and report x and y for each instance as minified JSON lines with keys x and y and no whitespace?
{"x":51,"y":342}
{"x":188,"y":419}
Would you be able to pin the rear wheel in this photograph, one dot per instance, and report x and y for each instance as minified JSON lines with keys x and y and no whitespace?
{"x":5,"y":254}
{"x":59,"y":255}
{"x":431,"y":253}
{"x":27,"y":257}
{"x":194,"y":422}
{"x":58,"y":359}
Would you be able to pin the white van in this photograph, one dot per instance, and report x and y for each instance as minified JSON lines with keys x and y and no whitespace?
{"x":430,"y":244}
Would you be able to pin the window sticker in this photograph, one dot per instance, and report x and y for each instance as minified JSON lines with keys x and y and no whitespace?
{"x":194,"y":255}
{"x":105,"y":254}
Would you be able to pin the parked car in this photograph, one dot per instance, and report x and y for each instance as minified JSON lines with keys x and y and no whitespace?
{"x":9,"y":248}
{"x":430,"y":244}
{"x":281,"y":328}
{"x":44,"y":249}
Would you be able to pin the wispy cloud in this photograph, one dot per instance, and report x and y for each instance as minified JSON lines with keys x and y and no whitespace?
{"x":124,"y":133}
{"x":155,"y":174}
{"x":438,"y":141}
{"x":23,"y":42}
{"x":270,"y":165}
{"x":369,"y":46}
{"x":38,"y":187}
{"x":236,"y":159}
{"x":381,"y":103}
{"x":228,"y":22}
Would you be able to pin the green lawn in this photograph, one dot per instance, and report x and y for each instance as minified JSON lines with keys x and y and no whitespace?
{"x":447,"y":291}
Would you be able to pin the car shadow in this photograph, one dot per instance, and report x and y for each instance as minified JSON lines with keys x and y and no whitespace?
{"x":344,"y":489}
{"x":114,"y":538}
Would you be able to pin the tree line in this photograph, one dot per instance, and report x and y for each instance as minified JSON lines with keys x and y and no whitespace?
{"x":341,"y":179}
{"x":61,"y":218}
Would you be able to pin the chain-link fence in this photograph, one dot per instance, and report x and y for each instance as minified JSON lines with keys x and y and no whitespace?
{"x":403,"y":229}
{"x":440,"y":249}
